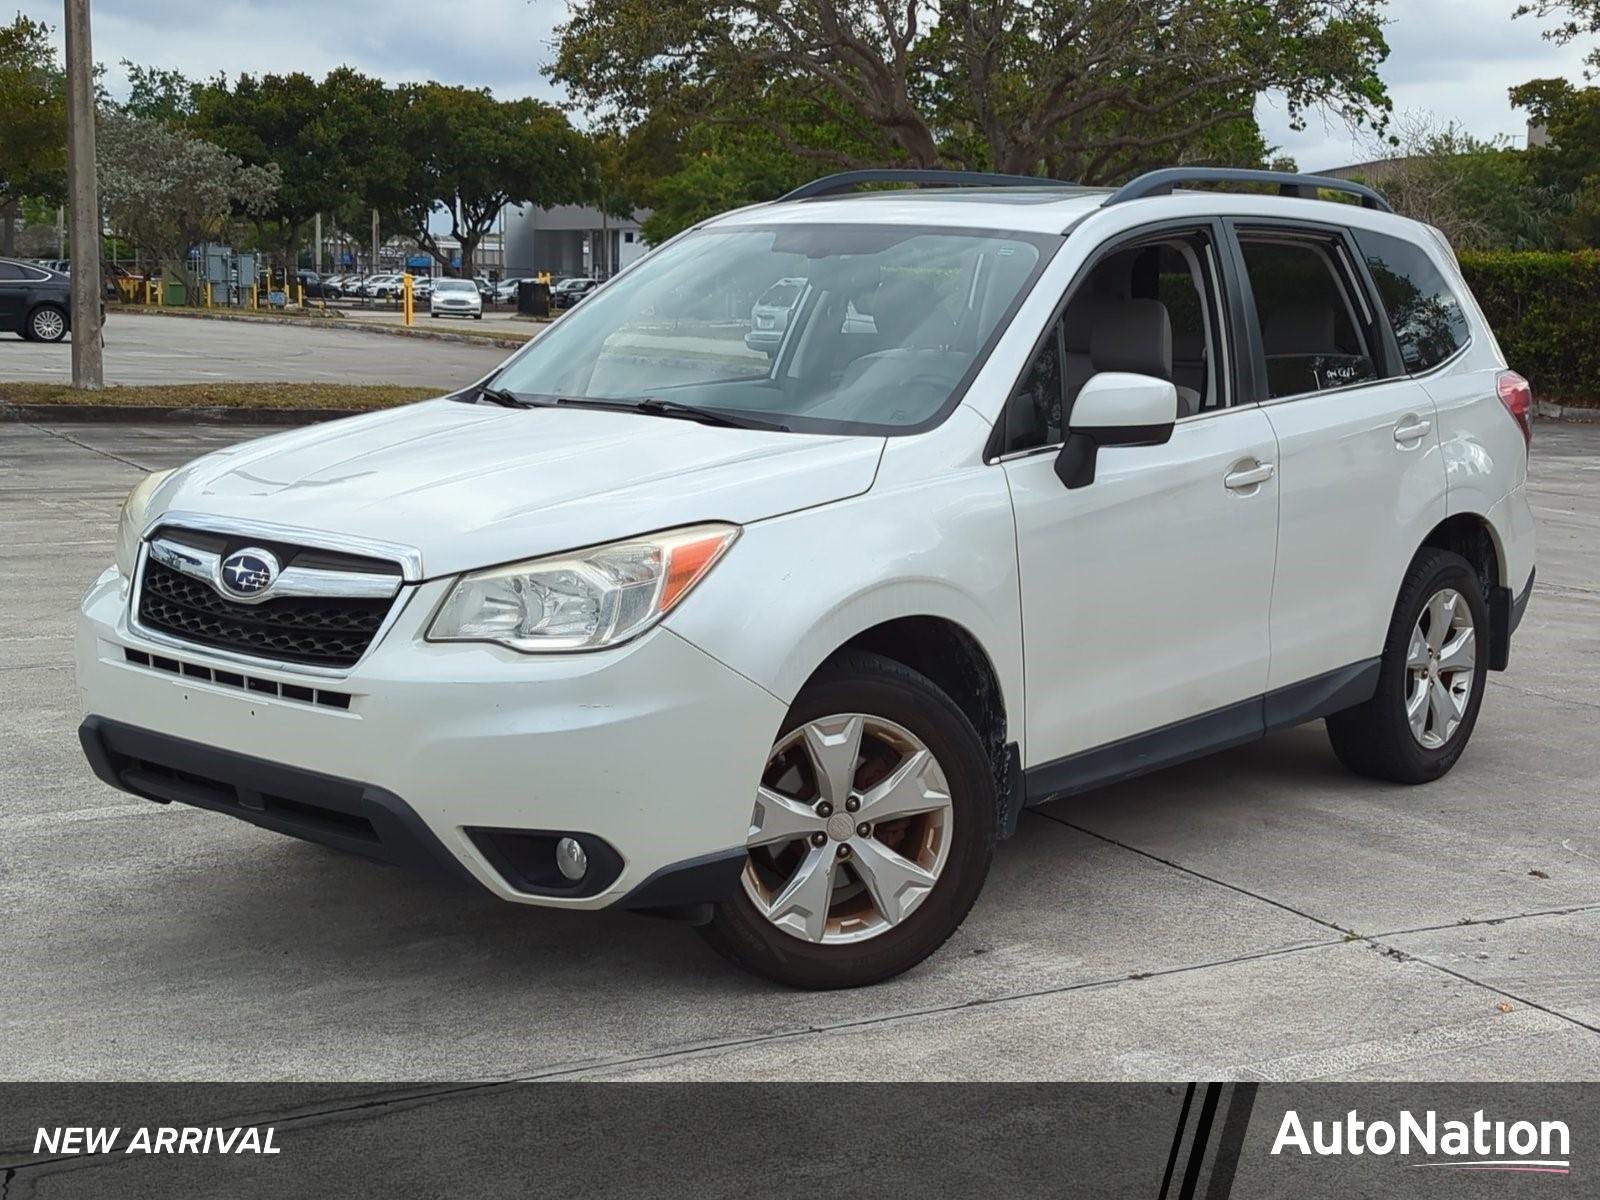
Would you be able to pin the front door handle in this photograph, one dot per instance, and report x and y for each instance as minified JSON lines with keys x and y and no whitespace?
{"x":1248,"y":477}
{"x":1411,"y":428}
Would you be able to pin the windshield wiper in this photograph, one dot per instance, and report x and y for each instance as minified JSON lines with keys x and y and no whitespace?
{"x":502,"y":397}
{"x":656,"y":407}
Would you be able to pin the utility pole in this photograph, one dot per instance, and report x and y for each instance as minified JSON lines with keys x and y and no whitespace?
{"x":88,"y":369}
{"x":316,"y":241}
{"x":375,"y":267}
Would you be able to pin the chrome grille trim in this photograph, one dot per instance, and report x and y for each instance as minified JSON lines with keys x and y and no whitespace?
{"x":292,"y":581}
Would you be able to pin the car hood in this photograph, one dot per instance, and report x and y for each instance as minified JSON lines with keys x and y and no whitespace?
{"x":472,"y":485}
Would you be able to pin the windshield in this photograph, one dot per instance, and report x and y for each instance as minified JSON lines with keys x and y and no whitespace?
{"x":826,"y":328}
{"x":454,"y":285}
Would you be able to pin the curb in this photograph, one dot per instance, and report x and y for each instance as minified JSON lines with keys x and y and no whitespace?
{"x":432,"y":335}
{"x":147,"y":414}
{"x":1567,"y":412}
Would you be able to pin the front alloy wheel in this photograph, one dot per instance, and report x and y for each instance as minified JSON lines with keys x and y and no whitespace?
{"x":851,"y":829}
{"x":870,"y":834}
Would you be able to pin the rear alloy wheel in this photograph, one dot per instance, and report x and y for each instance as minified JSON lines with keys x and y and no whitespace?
{"x":871,"y":832}
{"x":47,"y":324}
{"x":1430,"y":682}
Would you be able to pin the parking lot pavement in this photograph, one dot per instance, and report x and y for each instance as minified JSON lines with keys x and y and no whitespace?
{"x":152,"y":349}
{"x":1258,"y":915}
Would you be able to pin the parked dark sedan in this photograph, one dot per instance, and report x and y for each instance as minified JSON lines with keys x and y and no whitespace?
{"x":34,"y":301}
{"x":319,"y":287}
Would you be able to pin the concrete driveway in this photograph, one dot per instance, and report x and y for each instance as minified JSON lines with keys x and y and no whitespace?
{"x":1259,"y":915}
{"x":157,"y":349}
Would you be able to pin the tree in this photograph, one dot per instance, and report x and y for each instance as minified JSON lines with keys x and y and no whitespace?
{"x":1570,"y":163}
{"x":168,"y":191}
{"x":33,"y":121}
{"x":159,"y":94}
{"x":1085,"y":89}
{"x":472,"y":155}
{"x":330,"y":141}
{"x":1575,"y":18}
{"x":1482,"y":194}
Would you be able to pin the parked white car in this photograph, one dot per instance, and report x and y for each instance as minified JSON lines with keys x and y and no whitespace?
{"x":455,"y":298}
{"x":784,"y":643}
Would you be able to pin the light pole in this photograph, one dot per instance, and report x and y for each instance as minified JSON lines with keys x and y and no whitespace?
{"x":88,"y":369}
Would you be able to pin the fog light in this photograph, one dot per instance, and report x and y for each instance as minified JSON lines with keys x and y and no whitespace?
{"x":571,"y":859}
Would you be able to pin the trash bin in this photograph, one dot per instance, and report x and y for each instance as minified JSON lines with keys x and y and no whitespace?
{"x":174,"y":295}
{"x":533,"y":298}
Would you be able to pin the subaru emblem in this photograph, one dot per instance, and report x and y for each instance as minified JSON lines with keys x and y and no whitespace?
{"x":247,"y":573}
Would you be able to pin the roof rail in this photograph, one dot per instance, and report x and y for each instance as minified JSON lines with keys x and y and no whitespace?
{"x":1161,"y":183}
{"x":848,"y":181}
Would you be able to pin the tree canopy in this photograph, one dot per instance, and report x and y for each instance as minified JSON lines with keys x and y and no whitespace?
{"x":1090,"y":90}
{"x":469,"y":154}
{"x":33,"y":120}
{"x":168,"y":191}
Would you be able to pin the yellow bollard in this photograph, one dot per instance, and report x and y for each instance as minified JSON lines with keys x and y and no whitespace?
{"x":302,"y":290}
{"x":408,"y":303}
{"x":208,"y":293}
{"x":255,"y":295}
{"x":147,"y":289}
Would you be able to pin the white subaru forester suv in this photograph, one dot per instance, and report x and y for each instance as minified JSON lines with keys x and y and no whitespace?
{"x":1041,"y":487}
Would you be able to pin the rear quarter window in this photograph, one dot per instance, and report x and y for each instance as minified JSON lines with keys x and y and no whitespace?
{"x":1425,"y":313}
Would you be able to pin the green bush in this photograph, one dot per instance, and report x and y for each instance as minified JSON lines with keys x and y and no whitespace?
{"x":1544,"y":308}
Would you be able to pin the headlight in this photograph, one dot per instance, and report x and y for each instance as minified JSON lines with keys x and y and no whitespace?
{"x":135,"y":511}
{"x":584,"y":600}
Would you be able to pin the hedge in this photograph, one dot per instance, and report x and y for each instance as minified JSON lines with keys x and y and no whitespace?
{"x":1544,"y":308}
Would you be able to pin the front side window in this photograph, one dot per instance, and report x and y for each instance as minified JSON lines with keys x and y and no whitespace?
{"x":1151,"y":308}
{"x":1426,"y":315}
{"x":1310,"y":334}
{"x":820,"y":328}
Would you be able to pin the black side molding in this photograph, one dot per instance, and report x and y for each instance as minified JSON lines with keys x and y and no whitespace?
{"x":1220,"y":729}
{"x":1323,"y":694}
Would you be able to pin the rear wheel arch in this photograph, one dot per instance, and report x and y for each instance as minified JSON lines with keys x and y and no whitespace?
{"x":1473,"y":537}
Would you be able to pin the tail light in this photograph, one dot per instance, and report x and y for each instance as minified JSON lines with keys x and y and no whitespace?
{"x":1517,"y":396}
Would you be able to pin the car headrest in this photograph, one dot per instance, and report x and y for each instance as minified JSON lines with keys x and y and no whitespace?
{"x":1132,"y":335}
{"x":1299,"y":329}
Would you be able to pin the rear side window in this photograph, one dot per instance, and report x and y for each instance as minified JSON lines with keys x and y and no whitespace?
{"x":11,"y":271}
{"x":1310,"y":333}
{"x":1427,"y":317}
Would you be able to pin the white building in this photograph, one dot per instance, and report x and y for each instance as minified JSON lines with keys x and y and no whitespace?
{"x":569,"y":240}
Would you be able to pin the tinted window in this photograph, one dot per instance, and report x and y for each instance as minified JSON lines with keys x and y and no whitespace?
{"x":1034,"y":415}
{"x":1427,"y":317}
{"x":1309,"y":334}
{"x":11,"y":271}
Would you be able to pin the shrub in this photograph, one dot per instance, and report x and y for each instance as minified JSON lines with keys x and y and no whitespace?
{"x":1544,"y":308}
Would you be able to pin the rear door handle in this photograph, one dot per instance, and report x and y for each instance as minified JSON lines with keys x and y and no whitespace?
{"x":1411,"y":428}
{"x":1248,"y":477}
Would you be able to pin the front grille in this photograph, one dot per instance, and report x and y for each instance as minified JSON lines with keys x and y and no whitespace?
{"x":316,"y":631}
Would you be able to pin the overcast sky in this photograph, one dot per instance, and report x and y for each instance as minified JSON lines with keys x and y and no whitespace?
{"x":1454,"y":58}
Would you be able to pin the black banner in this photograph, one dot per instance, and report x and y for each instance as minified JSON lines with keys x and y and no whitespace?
{"x":1163,"y":1141}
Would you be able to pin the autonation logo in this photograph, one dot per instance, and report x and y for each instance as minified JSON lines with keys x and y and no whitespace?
{"x":1478,"y":1144}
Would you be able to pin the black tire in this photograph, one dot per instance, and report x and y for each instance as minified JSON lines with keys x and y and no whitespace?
{"x":867,"y":683}
{"x":45,"y":313}
{"x":1375,"y":739}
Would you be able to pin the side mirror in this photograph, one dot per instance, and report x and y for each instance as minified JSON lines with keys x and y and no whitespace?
{"x":1115,"y":408}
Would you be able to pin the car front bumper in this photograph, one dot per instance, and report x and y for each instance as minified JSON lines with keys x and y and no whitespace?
{"x":654,"y":749}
